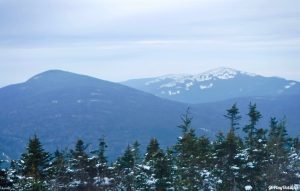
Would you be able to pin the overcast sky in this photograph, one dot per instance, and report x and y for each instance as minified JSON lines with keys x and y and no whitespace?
{"x":122,"y":39}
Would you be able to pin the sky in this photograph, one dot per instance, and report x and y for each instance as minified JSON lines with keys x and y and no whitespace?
{"x":118,"y":40}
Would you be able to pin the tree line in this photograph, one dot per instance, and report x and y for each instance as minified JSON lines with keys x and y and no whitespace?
{"x":264,"y":157}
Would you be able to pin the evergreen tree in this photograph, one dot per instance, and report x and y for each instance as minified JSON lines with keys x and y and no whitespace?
{"x":188,"y":172}
{"x":256,"y":161}
{"x":152,"y":149}
{"x":5,"y":183}
{"x":162,"y":172}
{"x":59,"y":177}
{"x":136,"y":152}
{"x":15,"y":175}
{"x":79,"y":167}
{"x":234,"y":117}
{"x":205,"y":162}
{"x":279,"y":146}
{"x":251,"y":128}
{"x":35,"y":163}
{"x":157,"y":168}
{"x":293,"y":168}
{"x":219,"y":160}
{"x":233,"y":164}
{"x":102,"y":174}
{"x":125,"y":166}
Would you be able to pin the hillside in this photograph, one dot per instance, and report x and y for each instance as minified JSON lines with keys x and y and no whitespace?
{"x":215,"y":85}
{"x":61,"y":107}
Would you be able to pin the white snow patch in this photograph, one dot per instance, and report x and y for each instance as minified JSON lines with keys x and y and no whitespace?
{"x":168,"y":85}
{"x":152,"y":81}
{"x":219,"y":73}
{"x":202,"y":87}
{"x":102,"y":181}
{"x":188,"y":85}
{"x":248,"y":187}
{"x":290,"y":85}
{"x":250,"y":164}
{"x":174,"y":80}
{"x":173,"y":92}
{"x":146,"y":167}
{"x":235,"y":167}
{"x":180,"y":78}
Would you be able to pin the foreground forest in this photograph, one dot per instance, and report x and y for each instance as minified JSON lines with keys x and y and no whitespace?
{"x":244,"y":158}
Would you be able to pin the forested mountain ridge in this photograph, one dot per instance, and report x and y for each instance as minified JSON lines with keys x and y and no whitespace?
{"x":62,"y":107}
{"x":215,"y":85}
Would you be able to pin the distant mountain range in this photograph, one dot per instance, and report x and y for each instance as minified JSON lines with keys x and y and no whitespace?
{"x":215,"y":85}
{"x":61,"y":107}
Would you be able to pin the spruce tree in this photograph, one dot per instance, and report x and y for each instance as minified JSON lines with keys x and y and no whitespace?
{"x":79,"y":167}
{"x":102,"y":176}
{"x":219,"y":160}
{"x":136,"y":152}
{"x":125,"y":166}
{"x":35,"y":163}
{"x":162,"y":172}
{"x":157,"y":168}
{"x":59,"y":177}
{"x":251,"y":129}
{"x":255,"y":163}
{"x":279,"y":145}
{"x":232,"y":162}
{"x":234,"y":117}
{"x":188,"y":172}
{"x":5,"y":183}
{"x":205,"y":162}
{"x":152,"y":149}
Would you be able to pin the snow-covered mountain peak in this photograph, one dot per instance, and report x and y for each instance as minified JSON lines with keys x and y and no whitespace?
{"x":173,"y":77}
{"x":214,"y":74}
{"x":177,"y":83}
{"x":218,"y":73}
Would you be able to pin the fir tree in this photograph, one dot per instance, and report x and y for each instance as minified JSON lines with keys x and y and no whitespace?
{"x":59,"y":177}
{"x":162,"y":172}
{"x":188,"y":172}
{"x":157,"y":168}
{"x":234,"y":117}
{"x":35,"y":163}
{"x":5,"y":183}
{"x":102,"y":175}
{"x":278,"y":148}
{"x":152,"y":149}
{"x":79,"y":167}
{"x":125,"y":166}
{"x":256,"y":162}
{"x":251,"y":128}
{"x":136,"y":152}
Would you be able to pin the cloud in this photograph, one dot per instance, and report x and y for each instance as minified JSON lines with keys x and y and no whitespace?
{"x":172,"y":35}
